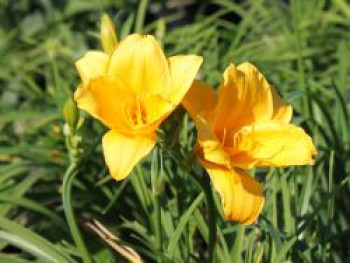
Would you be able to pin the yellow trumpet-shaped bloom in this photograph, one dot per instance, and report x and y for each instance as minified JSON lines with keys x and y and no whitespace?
{"x":132,"y":90}
{"x":245,"y":125}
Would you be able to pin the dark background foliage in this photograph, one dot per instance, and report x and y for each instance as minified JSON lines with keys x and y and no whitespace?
{"x":303,"y":47}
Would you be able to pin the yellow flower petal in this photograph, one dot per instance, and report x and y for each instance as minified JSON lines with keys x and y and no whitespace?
{"x":122,"y":152}
{"x":271,"y":144}
{"x":244,"y":98}
{"x":85,"y":101}
{"x":282,"y":112}
{"x":109,"y":101}
{"x":183,"y":70}
{"x":200,"y":98}
{"x":241,"y":195}
{"x":157,"y":108}
{"x":92,"y":65}
{"x":141,"y":65}
{"x":208,"y":146}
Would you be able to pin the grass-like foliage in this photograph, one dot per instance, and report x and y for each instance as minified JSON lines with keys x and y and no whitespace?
{"x":159,"y":213}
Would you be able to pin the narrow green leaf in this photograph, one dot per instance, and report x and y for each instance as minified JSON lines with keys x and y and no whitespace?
{"x":183,"y":221}
{"x":31,"y":242}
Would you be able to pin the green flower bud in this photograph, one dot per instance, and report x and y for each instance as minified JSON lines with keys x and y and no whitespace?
{"x":71,"y":113}
{"x":109,"y":39}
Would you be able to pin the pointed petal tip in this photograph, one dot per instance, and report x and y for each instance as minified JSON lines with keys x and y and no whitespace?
{"x":93,"y":64}
{"x":183,"y":70}
{"x":251,"y":195}
{"x":272,"y":145}
{"x":122,"y":152}
{"x":230,"y":68}
{"x":247,"y":66}
{"x":141,"y":64}
{"x":241,"y":195}
{"x":199,"y":59}
{"x":139,"y":37}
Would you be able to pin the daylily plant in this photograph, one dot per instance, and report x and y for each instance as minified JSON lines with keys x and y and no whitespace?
{"x":246,"y":125}
{"x":132,"y":90}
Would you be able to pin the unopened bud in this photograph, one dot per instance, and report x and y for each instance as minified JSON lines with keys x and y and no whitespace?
{"x":108,"y":34}
{"x":71,"y":113}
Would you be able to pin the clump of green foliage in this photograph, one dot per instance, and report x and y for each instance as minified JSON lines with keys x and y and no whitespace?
{"x":303,"y":47}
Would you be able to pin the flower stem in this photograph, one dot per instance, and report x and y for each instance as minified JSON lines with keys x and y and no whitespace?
{"x":205,"y":183}
{"x":156,"y":180}
{"x":68,"y":178}
{"x":157,"y":224}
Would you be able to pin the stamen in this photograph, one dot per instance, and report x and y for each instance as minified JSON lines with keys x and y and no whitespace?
{"x":138,"y":111}
{"x":224,"y":136}
{"x":130,"y":114}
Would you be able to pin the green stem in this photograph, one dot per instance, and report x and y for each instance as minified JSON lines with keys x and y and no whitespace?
{"x":140,"y":18}
{"x":156,"y":177}
{"x":68,"y":178}
{"x":205,"y":183}
{"x":275,"y":183}
{"x":330,"y":210}
{"x":157,"y":224}
{"x":237,"y":248}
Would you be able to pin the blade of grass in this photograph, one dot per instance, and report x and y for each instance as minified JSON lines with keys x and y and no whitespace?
{"x":183,"y":221}
{"x":238,"y":244}
{"x":34,"y":206}
{"x":31,"y":242}
{"x":140,"y":17}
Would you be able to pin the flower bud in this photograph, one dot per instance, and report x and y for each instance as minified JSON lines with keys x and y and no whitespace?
{"x":71,"y":113}
{"x":109,"y":39}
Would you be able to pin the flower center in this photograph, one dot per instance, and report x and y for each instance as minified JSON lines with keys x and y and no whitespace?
{"x":137,"y":113}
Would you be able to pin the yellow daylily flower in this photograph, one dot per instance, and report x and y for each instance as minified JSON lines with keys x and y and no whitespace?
{"x":246,"y":125}
{"x":132,"y":90}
